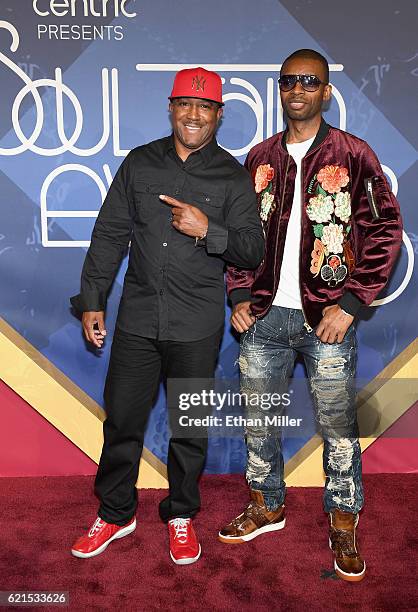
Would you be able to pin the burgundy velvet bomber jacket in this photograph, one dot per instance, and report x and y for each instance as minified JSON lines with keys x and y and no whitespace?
{"x":351,"y":224}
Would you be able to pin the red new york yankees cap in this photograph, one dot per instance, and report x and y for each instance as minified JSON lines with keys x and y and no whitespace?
{"x":197,"y":83}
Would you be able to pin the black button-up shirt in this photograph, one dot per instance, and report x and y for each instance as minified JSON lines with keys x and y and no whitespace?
{"x":173,"y":289}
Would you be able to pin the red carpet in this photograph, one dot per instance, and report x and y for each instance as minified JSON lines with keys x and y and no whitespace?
{"x":289,"y":570}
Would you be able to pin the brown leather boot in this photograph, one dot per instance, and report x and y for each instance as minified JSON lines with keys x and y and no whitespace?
{"x":255,"y":520}
{"x":348,"y":563}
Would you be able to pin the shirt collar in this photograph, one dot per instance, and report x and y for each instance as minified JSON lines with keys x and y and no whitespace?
{"x":319,"y":138}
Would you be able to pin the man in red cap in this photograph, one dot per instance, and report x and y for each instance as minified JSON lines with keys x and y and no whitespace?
{"x":186,"y":206}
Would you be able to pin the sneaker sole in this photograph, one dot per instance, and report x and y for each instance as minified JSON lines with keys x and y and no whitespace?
{"x":120,"y":534}
{"x":252,"y":535}
{"x":346,"y":575}
{"x":188,"y":560}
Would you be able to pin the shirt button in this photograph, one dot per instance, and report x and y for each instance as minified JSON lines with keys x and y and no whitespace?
{"x":207,"y":199}
{"x":176,"y":191}
{"x":161,"y":292}
{"x":164,"y":244}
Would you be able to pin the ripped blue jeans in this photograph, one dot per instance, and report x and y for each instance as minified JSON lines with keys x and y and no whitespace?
{"x":267,"y":356}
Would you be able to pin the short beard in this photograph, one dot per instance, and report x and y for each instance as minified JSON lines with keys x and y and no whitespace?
{"x":294,"y":116}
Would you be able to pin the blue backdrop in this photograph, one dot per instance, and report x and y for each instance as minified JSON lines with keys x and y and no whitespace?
{"x":84,"y":82}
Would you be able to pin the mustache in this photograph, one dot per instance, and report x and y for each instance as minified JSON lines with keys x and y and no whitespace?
{"x":296,"y":99}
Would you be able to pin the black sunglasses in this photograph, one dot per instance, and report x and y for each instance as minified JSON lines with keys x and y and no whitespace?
{"x":309,"y":82}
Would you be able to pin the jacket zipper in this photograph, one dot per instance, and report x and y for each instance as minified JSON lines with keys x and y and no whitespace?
{"x":370,"y":197}
{"x":306,"y":324}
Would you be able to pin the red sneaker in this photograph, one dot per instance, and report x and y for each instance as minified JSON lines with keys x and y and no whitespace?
{"x":99,"y":537}
{"x":184,"y":546}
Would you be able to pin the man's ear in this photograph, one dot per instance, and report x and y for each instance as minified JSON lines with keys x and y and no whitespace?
{"x":219,"y":113}
{"x":327,"y":93}
{"x":170,"y":107}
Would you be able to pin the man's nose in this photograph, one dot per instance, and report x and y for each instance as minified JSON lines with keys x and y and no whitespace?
{"x":298,"y":87}
{"x":193,"y":111}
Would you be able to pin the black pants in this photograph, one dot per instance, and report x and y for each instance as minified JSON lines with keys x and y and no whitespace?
{"x":135,"y":369}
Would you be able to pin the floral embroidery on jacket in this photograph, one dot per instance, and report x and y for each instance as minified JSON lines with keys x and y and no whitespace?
{"x":332,"y":178}
{"x":330,"y":210}
{"x":263,"y":185}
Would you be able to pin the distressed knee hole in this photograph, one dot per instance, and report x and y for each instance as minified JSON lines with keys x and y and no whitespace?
{"x":331,"y":392}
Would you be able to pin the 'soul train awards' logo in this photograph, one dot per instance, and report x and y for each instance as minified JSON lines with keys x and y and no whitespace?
{"x":81,"y":9}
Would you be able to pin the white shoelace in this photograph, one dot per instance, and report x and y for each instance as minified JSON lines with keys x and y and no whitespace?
{"x":97,"y":525}
{"x":180,"y":525}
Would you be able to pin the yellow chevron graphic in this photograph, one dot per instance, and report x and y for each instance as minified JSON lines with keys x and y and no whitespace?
{"x":58,"y":399}
{"x":32,"y":376}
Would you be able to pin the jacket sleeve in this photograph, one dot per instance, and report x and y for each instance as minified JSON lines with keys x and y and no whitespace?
{"x":378,"y":223}
{"x":239,"y":280}
{"x":110,"y":238}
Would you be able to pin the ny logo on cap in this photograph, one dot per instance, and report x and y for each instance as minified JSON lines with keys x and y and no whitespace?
{"x":198,"y":82}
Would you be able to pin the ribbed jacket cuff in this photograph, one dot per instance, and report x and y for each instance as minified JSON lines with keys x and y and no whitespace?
{"x":350,"y":303}
{"x":242,"y":294}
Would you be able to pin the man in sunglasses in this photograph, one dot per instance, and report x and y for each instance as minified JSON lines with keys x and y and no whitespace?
{"x":333,"y":231}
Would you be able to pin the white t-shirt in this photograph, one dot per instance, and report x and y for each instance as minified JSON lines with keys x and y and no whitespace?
{"x":288,"y":292}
